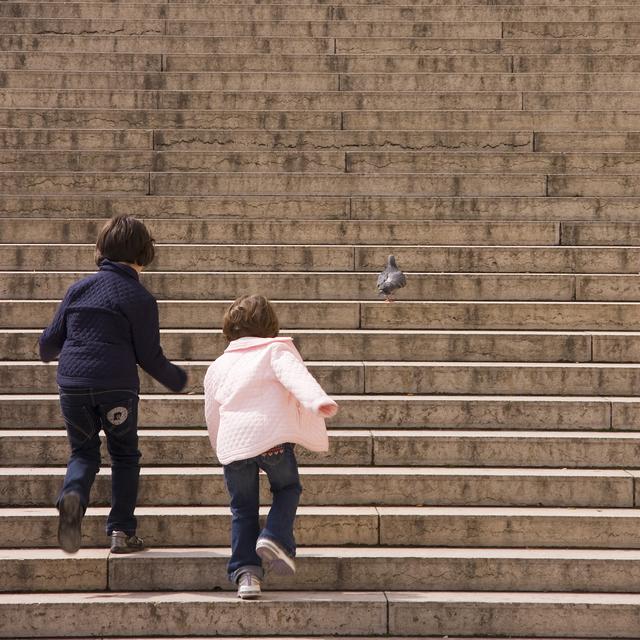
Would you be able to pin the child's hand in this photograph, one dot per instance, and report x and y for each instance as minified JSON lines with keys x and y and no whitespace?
{"x":328,"y":410}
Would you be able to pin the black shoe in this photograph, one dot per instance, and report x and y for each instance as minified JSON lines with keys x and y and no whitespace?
{"x":69,"y":522}
{"x":123,"y":543}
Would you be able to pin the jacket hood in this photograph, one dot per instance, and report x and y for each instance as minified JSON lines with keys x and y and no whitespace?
{"x":243,"y":344}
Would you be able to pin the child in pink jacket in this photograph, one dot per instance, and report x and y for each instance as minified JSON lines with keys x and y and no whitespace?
{"x":260,"y":400}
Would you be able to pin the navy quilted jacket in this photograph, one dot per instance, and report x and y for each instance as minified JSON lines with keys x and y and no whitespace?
{"x":106,"y":324}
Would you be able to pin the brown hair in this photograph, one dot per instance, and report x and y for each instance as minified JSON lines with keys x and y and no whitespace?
{"x":125,"y":239}
{"x":250,"y":316}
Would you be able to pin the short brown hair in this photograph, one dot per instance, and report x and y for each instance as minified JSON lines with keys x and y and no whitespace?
{"x":125,"y":239}
{"x":250,"y":316}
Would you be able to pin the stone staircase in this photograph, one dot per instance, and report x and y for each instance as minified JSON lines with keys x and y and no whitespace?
{"x":483,"y":472}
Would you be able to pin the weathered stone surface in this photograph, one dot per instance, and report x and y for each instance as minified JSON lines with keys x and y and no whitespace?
{"x":201,"y":314}
{"x":216,"y":140}
{"x":337,"y":377}
{"x":354,"y":184}
{"x":77,"y":139}
{"x":335,"y":344}
{"x":501,"y":378}
{"x":601,"y":233}
{"x":541,"y":614}
{"x":200,"y":613}
{"x":154,"y":44}
{"x":502,"y":527}
{"x":360,"y":412}
{"x":17,"y":182}
{"x":290,"y":286}
{"x":351,"y":486}
{"x":52,"y":570}
{"x":183,"y":447}
{"x":573,"y":185}
{"x":192,"y":526}
{"x":342,"y":63}
{"x":78,"y":61}
{"x":39,"y":98}
{"x":284,"y":232}
{"x":620,"y":288}
{"x":522,"y":316}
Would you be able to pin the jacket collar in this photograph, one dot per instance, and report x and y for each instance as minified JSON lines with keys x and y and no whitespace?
{"x":242,"y":344}
{"x":119,"y":267}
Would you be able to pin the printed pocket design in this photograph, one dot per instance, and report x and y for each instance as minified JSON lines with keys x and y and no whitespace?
{"x":117,"y":416}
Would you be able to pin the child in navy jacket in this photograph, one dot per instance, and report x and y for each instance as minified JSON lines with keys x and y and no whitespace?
{"x":106,"y":325}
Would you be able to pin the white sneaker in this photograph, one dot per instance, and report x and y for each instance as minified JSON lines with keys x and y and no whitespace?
{"x":275,"y":557}
{"x":248,"y":586}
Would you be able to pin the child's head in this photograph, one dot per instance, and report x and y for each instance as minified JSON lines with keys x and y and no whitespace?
{"x":125,"y":239}
{"x":250,"y":316}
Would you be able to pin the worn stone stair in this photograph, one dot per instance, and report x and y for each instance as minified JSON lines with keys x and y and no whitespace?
{"x":482,"y":478}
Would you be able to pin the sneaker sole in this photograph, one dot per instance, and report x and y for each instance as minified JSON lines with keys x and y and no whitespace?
{"x":249,"y":596}
{"x":125,"y":550}
{"x":69,"y":521}
{"x":276,"y":564}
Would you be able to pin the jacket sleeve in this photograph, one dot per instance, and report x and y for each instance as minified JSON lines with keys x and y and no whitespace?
{"x":211,"y":409}
{"x":145,"y":329}
{"x":290,"y":370}
{"x":54,"y":335}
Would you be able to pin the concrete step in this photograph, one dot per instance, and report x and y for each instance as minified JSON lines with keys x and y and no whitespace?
{"x":252,"y":26}
{"x":345,"y":64}
{"x":91,"y":98}
{"x":409,"y":613}
{"x":492,"y":527}
{"x":562,"y":208}
{"x":208,"y":613}
{"x":492,"y":184}
{"x":512,"y":46}
{"x":383,"y":412}
{"x":60,"y":139}
{"x":514,"y":615}
{"x":18,"y":285}
{"x":225,"y":184}
{"x":576,"y":29}
{"x":365,"y":448}
{"x":383,"y":162}
{"x":416,"y":316}
{"x":59,"y":182}
{"x":317,"y":11}
{"x":160,"y":44}
{"x":601,"y":233}
{"x":380,"y":378}
{"x":401,"y":208}
{"x":328,"y":569}
{"x":195,"y":526}
{"x":239,"y":139}
{"x":229,"y":140}
{"x":535,"y":83}
{"x":346,"y":258}
{"x":48,"y":230}
{"x":77,"y":120}
{"x":180,"y":447}
{"x":574,"y":185}
{"x":298,"y":161}
{"x":359,"y":486}
{"x":603,"y":141}
{"x":335,"y":344}
{"x":81,"y":62}
{"x":588,"y":101}
{"x":454,"y":130}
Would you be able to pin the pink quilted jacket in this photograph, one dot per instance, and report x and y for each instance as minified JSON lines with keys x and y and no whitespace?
{"x":258,"y":394}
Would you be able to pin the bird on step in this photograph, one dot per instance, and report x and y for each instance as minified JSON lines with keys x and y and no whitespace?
{"x":391,"y":279}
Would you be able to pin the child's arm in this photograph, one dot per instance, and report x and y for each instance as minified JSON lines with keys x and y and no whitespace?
{"x":294,"y":376}
{"x":145,"y":329}
{"x":54,"y":335}
{"x":211,"y":409}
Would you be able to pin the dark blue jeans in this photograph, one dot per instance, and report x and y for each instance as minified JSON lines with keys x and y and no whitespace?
{"x":241,"y":478}
{"x":86,"y":412}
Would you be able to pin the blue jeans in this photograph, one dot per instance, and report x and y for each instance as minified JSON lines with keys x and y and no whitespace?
{"x":85,"y":412}
{"x":241,"y":479}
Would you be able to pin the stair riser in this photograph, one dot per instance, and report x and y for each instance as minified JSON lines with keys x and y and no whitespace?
{"x":38,"y":489}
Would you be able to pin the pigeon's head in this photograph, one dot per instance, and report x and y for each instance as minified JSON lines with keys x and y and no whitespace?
{"x":391,"y":262}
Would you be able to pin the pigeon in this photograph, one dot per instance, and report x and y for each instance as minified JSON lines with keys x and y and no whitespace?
{"x":391,"y":279}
